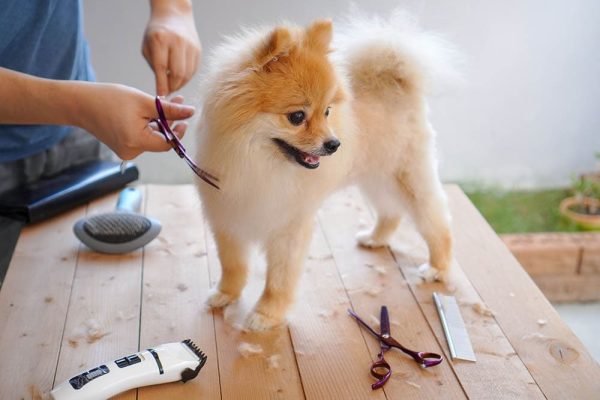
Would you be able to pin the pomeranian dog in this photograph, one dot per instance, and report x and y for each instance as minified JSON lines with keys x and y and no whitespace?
{"x":288,"y":118}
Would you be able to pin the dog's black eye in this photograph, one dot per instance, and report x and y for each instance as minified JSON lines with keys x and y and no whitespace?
{"x":327,"y":111}
{"x":296,"y":117}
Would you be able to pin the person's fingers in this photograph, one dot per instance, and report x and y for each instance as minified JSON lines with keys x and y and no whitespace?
{"x":179,"y":129}
{"x":174,"y":111}
{"x":160,"y":57}
{"x":190,"y":68}
{"x":191,"y":65}
{"x":177,"y":65}
{"x":177,"y":99}
{"x":146,"y":53}
{"x":155,"y":141}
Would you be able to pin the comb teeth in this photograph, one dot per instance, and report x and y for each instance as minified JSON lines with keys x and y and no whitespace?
{"x":192,"y":346}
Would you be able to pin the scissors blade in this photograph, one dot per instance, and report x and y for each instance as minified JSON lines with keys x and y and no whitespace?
{"x":364,"y":324}
{"x":173,"y":140}
{"x":159,"y":109}
{"x":384,"y":322}
{"x":384,"y":327}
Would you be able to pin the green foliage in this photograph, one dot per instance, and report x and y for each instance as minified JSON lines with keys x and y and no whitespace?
{"x":595,"y":190}
{"x":522,"y":211}
{"x":585,"y":186}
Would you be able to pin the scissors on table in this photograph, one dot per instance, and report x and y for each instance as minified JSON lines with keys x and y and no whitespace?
{"x":163,"y":126}
{"x":380,"y":369}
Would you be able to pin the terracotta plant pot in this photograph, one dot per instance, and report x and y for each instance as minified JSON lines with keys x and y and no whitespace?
{"x":586,"y":221}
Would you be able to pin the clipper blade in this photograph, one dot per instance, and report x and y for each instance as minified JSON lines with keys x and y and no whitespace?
{"x":188,"y":373}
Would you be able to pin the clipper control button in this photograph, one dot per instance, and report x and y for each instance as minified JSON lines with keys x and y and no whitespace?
{"x":96,"y":372}
{"x":134,"y":359}
{"x":127,"y":361}
{"x":121,"y":362}
{"x":79,"y":381}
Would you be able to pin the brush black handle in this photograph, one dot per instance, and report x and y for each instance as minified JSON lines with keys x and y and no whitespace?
{"x":78,"y":185}
{"x":130,"y":200}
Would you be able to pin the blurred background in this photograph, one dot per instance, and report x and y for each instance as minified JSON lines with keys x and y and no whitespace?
{"x":526,"y":117}
{"x":520,"y":135}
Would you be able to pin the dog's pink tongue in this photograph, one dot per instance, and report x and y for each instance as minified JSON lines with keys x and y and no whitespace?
{"x":310,"y":159}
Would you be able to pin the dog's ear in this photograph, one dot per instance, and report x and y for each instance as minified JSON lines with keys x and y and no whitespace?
{"x":277,"y":44}
{"x":318,"y":35}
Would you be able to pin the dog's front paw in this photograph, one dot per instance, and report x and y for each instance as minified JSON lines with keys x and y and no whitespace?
{"x":258,"y":322}
{"x":218,"y":299}
{"x":431,"y":274}
{"x":367,"y":239}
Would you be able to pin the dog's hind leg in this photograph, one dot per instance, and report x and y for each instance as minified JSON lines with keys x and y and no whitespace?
{"x":233,"y":255}
{"x":382,"y":232}
{"x":383,"y":195}
{"x":286,"y":251}
{"x":426,"y":201}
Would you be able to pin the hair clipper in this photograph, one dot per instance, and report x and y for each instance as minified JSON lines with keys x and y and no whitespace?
{"x":180,"y":361}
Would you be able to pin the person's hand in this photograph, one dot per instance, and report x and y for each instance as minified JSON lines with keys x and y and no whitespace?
{"x":120,"y":117}
{"x":171,"y":45}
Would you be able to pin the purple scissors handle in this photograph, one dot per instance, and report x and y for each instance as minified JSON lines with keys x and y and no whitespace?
{"x":381,"y":371}
{"x":380,"y":368}
{"x":425,"y":359}
{"x":173,"y":140}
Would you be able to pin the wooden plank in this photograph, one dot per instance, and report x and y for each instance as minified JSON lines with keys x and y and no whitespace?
{"x":556,"y":359}
{"x":175,"y":282}
{"x":273,"y":374}
{"x":498,"y":372}
{"x":569,"y":288}
{"x":545,"y":254}
{"x":590,"y":261}
{"x":33,"y":306}
{"x":332,"y":356}
{"x":103,"y":318}
{"x":372,"y":279}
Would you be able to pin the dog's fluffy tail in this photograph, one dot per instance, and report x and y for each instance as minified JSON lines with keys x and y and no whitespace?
{"x":394,"y":54}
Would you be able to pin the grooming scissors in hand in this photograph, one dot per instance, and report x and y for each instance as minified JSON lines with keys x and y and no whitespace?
{"x":380,"y":369}
{"x":173,"y":140}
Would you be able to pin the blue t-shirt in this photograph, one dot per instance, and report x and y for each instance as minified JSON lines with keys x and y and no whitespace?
{"x":42,"y":38}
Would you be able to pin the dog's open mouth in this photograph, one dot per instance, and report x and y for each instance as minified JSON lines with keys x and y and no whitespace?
{"x":307,"y":160}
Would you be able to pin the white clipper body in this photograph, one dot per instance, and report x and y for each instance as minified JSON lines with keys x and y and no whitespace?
{"x":180,"y":361}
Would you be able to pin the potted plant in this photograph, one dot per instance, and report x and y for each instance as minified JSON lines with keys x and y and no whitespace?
{"x":584,"y":207}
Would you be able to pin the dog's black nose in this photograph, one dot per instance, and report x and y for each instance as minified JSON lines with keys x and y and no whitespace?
{"x":331,"y":146}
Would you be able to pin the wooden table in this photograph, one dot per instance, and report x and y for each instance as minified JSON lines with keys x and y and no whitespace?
{"x":64,"y":309}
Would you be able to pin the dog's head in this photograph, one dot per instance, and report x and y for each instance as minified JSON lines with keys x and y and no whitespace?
{"x":287,"y":91}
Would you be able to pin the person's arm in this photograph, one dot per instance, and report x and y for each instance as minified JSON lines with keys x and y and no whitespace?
{"x":117,"y":115}
{"x":171,"y":45}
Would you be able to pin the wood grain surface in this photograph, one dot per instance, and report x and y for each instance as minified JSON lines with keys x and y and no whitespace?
{"x":65,"y":309}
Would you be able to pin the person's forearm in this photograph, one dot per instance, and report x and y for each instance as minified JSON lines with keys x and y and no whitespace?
{"x":167,"y":7}
{"x":117,"y":115}
{"x":26,"y":99}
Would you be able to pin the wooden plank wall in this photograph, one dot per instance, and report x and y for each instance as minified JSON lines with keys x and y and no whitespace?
{"x":565,"y":266}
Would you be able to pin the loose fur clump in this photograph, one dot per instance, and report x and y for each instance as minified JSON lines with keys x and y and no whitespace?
{"x":288,"y":118}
